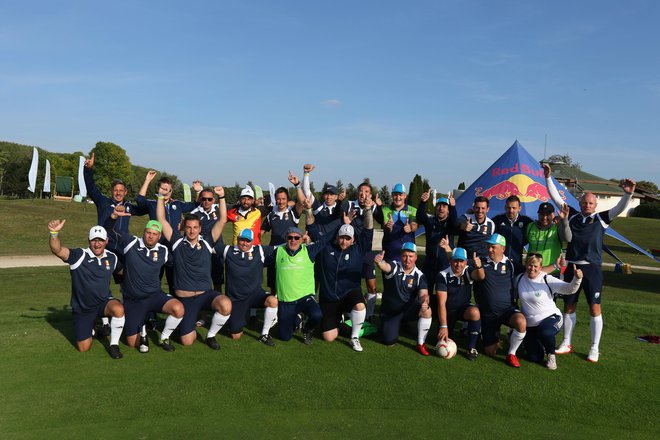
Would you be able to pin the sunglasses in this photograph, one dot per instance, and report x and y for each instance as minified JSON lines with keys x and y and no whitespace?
{"x":293,"y":237}
{"x":207,"y":199}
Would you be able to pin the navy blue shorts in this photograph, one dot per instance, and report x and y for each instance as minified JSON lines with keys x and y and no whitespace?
{"x":368,"y":266}
{"x":271,"y":277}
{"x":217,"y":270}
{"x":540,"y":339}
{"x":592,"y":283}
{"x":391,"y":322}
{"x":287,"y":312}
{"x":241,"y":308}
{"x":332,"y":311}
{"x":457,"y":315}
{"x":136,"y":310}
{"x":490,"y":325}
{"x":193,"y":305}
{"x":83,"y":322}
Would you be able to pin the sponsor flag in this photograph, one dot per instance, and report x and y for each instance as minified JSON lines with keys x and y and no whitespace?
{"x":82,"y":188}
{"x":47,"y":177}
{"x":32,"y":174}
{"x":187,"y":197}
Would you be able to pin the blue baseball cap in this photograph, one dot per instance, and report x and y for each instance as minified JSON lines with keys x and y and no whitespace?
{"x":444,"y":200}
{"x":398,"y":188}
{"x":246,"y":234}
{"x":497,"y":239}
{"x":330,"y":189}
{"x":459,"y":254}
{"x":409,"y":246}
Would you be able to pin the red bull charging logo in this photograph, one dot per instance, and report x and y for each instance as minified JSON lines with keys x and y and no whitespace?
{"x":519,"y":185}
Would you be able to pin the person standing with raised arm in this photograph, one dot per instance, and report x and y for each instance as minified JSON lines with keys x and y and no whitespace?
{"x":91,"y":269}
{"x":399,"y":221}
{"x":585,"y":251}
{"x":192,"y":270}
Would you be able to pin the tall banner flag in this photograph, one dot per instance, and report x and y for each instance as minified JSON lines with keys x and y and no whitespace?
{"x":32,"y":174}
{"x":187,"y":197}
{"x":81,"y":177}
{"x":47,"y":177}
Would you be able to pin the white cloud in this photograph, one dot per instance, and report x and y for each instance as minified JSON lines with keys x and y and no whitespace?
{"x":331,"y":102}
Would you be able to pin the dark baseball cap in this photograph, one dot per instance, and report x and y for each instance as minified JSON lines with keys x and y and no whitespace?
{"x":545,"y":208}
{"x":330,"y":189}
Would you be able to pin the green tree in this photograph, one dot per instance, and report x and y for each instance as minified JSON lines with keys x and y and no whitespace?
{"x":417,"y":187}
{"x":566,"y":159}
{"x":385,"y":195}
{"x":110,"y":162}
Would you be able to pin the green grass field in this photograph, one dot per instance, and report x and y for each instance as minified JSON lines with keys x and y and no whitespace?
{"x":248,"y":390}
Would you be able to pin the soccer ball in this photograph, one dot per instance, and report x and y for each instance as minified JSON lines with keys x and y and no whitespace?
{"x":446,"y":350}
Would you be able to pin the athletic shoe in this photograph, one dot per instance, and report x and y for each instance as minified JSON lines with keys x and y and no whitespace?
{"x":593,"y":354}
{"x":512,"y":360}
{"x":355,"y":344}
{"x":472,"y":354}
{"x":564,"y":348}
{"x":104,"y":332}
{"x":165,"y":345}
{"x":267,"y":339}
{"x":421,"y":348}
{"x":144,"y":345}
{"x":200,"y":323}
{"x":298,"y":323}
{"x":114,"y":352}
{"x":307,"y":337}
{"x":552,"y":362}
{"x":212,"y":343}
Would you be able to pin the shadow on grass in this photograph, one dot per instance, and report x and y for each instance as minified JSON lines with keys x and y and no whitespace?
{"x":60,"y":319}
{"x":643,"y":281}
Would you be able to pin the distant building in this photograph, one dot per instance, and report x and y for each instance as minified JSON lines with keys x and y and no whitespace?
{"x":608,"y":192}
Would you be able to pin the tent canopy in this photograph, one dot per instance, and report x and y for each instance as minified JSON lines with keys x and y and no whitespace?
{"x":517,"y":173}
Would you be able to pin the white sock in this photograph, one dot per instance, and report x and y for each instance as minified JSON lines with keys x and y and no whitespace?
{"x":569,"y":324}
{"x":116,"y":327}
{"x":515,"y":341}
{"x":105,"y":320}
{"x":371,"y":304}
{"x":596,"y":325}
{"x":357,"y":319}
{"x":423,"y":326}
{"x":216,"y":324}
{"x":171,"y":323}
{"x":270,"y":318}
{"x":143,"y":331}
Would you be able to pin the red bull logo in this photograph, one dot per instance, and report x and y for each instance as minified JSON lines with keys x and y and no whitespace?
{"x":519,"y":185}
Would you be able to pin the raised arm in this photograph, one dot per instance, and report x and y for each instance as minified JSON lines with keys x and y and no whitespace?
{"x":119,"y":211}
{"x":147,"y":181}
{"x":479,"y":273}
{"x":628,"y":189}
{"x":296,"y":183}
{"x":160,"y":214}
{"x":309,"y":213}
{"x":216,"y":231}
{"x":306,"y":188}
{"x":563,"y":228}
{"x":562,"y":287}
{"x":88,"y":175}
{"x":552,"y":189}
{"x":379,"y":260}
{"x":54,"y":227}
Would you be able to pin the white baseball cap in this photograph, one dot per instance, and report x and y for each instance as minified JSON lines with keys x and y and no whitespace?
{"x":346,"y":231}
{"x":98,"y":232}
{"x":247,"y":192}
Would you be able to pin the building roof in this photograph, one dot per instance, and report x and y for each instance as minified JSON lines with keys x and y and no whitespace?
{"x":578,"y":181}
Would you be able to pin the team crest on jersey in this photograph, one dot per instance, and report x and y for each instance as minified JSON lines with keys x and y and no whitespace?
{"x":215,"y":216}
{"x":410,"y":282}
{"x":174,"y":207}
{"x":537,"y":294}
{"x":250,"y":257}
{"x":107,"y":264}
{"x":503,"y":270}
{"x":597,"y":295}
{"x":198,"y":246}
{"x":483,"y":229}
{"x":286,"y":216}
{"x":154,"y":256}
{"x":520,"y":225}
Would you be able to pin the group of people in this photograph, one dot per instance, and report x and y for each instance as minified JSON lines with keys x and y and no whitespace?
{"x":483,"y":281}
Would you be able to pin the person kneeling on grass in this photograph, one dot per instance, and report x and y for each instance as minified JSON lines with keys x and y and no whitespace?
{"x":192,"y":271}
{"x":536,"y":293}
{"x":405,"y":297}
{"x":244,"y":266}
{"x":144,"y":257}
{"x":454,"y":292}
{"x":495,"y":295}
{"x":91,"y":271}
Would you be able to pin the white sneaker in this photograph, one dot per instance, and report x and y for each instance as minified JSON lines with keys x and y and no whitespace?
{"x":552,"y":362}
{"x":355,"y":344}
{"x":593,"y":354}
{"x":564,"y":348}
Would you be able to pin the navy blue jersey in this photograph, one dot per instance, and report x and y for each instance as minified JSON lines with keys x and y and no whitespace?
{"x":244,"y":270}
{"x":142,"y":267}
{"x":434,"y":231}
{"x":278,"y":222}
{"x":352,"y":206}
{"x":458,"y":288}
{"x":174,"y":210}
{"x":394,"y":239}
{"x":475,"y":240}
{"x":328,"y":218}
{"x":105,"y":206}
{"x":341,"y":271}
{"x":495,"y":293}
{"x":192,"y":262}
{"x":401,"y":289}
{"x":588,"y":233}
{"x":90,"y":278}
{"x":514,"y":232}
{"x":208,"y":219}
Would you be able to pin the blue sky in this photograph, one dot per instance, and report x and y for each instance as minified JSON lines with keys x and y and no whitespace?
{"x":231,"y":91}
